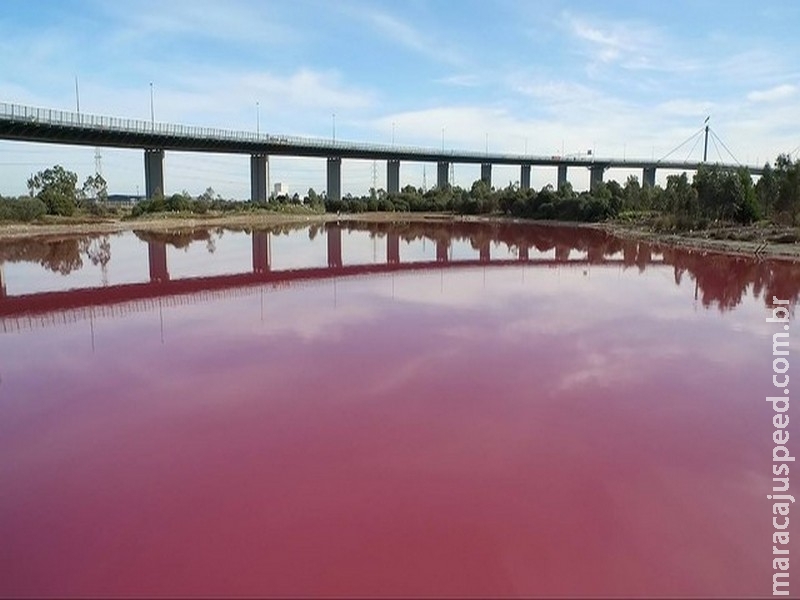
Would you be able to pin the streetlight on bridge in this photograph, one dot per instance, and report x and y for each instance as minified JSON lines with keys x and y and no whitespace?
{"x":152,"y":114}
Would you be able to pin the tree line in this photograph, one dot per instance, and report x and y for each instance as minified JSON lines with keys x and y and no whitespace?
{"x":713,"y":195}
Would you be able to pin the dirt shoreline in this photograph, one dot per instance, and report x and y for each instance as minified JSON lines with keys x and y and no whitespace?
{"x":756,"y":245}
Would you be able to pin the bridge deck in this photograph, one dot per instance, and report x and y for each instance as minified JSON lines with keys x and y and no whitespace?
{"x":26,"y":123}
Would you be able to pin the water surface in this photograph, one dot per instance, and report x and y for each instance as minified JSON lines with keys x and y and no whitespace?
{"x":395,"y":409}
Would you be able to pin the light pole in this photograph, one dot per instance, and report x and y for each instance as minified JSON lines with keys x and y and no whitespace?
{"x":334,"y":126}
{"x":258,"y":118}
{"x":392,"y":133}
{"x":442,"y":139}
{"x":487,"y":143}
{"x":152,"y":114}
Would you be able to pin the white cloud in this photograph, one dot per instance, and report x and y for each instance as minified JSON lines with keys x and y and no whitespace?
{"x":773,"y":94}
{"x":412,"y":38}
{"x":630,"y":44}
{"x":232,"y":21}
{"x":461,"y":80}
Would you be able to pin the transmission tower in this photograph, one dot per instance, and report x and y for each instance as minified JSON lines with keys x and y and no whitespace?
{"x":424,"y":180}
{"x":98,"y":162}
{"x":374,"y":174}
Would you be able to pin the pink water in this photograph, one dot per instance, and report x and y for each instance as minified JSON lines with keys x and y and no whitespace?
{"x":520,"y":429}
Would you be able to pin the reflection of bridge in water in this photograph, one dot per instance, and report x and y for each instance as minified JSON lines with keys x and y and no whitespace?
{"x":45,"y":308}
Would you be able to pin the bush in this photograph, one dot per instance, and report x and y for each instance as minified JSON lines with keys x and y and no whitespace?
{"x":22,"y":209}
{"x":747,"y":211}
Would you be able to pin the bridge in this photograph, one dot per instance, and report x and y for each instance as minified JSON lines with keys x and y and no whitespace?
{"x":32,"y":124}
{"x":24,"y":311}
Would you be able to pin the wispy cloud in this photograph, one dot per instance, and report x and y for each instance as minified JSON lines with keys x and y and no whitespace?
{"x":773,"y":94}
{"x":461,"y":80}
{"x":405,"y":34}
{"x":635,"y":45}
{"x":233,"y":21}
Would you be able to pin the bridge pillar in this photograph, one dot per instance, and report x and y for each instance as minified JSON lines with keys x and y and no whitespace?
{"x":157,"y":255}
{"x":442,"y":250}
{"x":486,"y":173}
{"x":523,"y":253}
{"x":393,"y":176}
{"x":258,"y":178}
{"x":484,"y":251}
{"x":649,"y":177}
{"x":153,"y":172}
{"x":562,"y":176}
{"x":596,"y":177}
{"x":262,"y":262}
{"x":334,"y":246}
{"x":334,"y":178}
{"x":443,"y":174}
{"x":525,"y":177}
{"x":392,"y":248}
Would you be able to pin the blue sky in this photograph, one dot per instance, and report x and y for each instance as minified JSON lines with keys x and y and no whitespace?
{"x":620,"y":78}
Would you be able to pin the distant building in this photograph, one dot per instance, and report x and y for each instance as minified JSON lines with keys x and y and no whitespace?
{"x":280,"y":189}
{"x":123,"y":199}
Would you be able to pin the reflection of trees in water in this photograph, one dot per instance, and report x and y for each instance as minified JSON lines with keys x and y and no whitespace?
{"x":185,"y":237}
{"x":99,"y":252}
{"x":182,"y":238}
{"x":60,"y":255}
{"x":722,"y":280}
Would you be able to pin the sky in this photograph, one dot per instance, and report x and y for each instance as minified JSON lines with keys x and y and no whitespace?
{"x":622,"y":79}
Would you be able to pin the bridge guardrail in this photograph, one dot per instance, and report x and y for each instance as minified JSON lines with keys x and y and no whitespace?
{"x":62,"y":118}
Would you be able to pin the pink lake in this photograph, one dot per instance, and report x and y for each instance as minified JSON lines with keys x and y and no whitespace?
{"x":387,"y":410}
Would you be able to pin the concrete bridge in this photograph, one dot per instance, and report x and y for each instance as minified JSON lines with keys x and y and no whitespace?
{"x":26,"y":123}
{"x":42,"y":305}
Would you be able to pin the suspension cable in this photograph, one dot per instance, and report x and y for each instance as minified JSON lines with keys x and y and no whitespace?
{"x":696,"y":141}
{"x":736,"y":160}
{"x":678,"y":147}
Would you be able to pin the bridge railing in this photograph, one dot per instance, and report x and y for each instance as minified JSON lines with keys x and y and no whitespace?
{"x":75,"y":120}
{"x":61,"y":118}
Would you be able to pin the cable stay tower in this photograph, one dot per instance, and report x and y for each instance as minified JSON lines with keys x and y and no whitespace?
{"x":705,"y":133}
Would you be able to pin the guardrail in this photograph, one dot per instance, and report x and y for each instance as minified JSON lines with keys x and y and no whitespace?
{"x":60,"y":118}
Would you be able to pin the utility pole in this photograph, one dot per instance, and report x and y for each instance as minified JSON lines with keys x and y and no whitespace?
{"x":705,"y":146}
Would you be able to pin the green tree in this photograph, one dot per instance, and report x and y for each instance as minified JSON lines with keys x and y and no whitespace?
{"x":632,"y":194}
{"x":767,"y":189}
{"x":680,"y":198}
{"x":95,"y":188}
{"x":56,"y":188}
{"x":788,"y":175}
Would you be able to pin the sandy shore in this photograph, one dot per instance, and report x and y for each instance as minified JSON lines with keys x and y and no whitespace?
{"x":756,"y":241}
